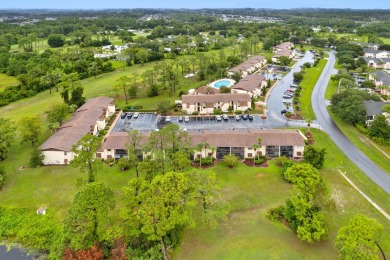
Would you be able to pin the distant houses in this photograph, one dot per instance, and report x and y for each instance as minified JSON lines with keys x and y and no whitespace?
{"x":90,"y":118}
{"x":249,"y":66}
{"x":205,"y":104}
{"x":285,"y":49}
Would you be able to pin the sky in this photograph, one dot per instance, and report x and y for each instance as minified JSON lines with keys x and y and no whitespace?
{"x":277,"y":4}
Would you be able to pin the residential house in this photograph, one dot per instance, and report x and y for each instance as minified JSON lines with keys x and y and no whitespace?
{"x":205,"y":104}
{"x":382,"y":81}
{"x":249,"y":66}
{"x":251,"y":85}
{"x":371,"y":53}
{"x":378,"y":63}
{"x":90,"y":118}
{"x":373,"y":109}
{"x":285,"y":49}
{"x":275,"y":143}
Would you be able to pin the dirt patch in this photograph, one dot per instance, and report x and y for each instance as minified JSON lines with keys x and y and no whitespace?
{"x":294,"y":117}
{"x":259,"y":175}
{"x":250,"y":163}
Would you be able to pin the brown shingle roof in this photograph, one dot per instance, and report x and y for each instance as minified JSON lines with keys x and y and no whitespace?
{"x":215,"y":98}
{"x":207,"y":90}
{"x":250,"y":83}
{"x":222,"y":138}
{"x":245,"y":138}
{"x":247,"y":64}
{"x":79,"y":125}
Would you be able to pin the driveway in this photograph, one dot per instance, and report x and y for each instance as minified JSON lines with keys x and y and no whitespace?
{"x":377,"y":175}
{"x":275,"y":100}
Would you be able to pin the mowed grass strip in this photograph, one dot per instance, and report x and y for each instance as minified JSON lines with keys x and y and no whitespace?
{"x":310,"y":78}
{"x":7,"y":81}
{"x":360,"y":140}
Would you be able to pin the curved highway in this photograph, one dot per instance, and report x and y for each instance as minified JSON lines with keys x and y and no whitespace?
{"x":377,"y":175}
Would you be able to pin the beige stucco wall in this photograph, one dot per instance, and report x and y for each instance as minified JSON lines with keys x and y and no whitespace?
{"x":56,"y":157}
{"x":298,"y":149}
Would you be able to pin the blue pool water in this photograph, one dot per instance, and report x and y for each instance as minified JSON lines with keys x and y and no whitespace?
{"x":221,"y":83}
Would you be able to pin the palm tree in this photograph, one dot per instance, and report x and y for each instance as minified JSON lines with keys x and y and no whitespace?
{"x":259,"y":141}
{"x":255,"y":147}
{"x":199,"y":148}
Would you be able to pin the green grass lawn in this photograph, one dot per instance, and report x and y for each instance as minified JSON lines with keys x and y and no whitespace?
{"x":248,"y":234}
{"x":331,"y":89}
{"x":385,"y":40}
{"x":7,"y":81}
{"x":309,"y":80}
{"x":357,"y":138}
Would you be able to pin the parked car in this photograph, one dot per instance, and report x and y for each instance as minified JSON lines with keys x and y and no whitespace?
{"x":244,"y":117}
{"x":186,"y":119}
{"x":167,"y":119}
{"x":290,"y":90}
{"x":123,"y":115}
{"x":129,"y":115}
{"x":283,"y":111}
{"x":225,"y":117}
{"x":294,"y":84}
{"x":136,"y":114}
{"x":180,"y":119}
{"x":238,"y":118}
{"x":287,"y":96}
{"x":218,"y":118}
{"x":250,"y":117}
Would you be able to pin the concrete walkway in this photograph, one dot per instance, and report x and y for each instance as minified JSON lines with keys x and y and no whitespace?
{"x":364,"y":195}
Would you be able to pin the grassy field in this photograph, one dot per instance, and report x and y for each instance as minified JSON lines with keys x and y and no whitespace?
{"x":331,"y":89}
{"x":248,"y":234}
{"x":7,"y":81}
{"x":385,"y":40}
{"x":309,"y":80}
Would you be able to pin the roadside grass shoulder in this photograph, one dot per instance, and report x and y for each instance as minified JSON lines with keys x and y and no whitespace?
{"x":310,"y":78}
{"x":331,"y":89}
{"x":358,"y":139}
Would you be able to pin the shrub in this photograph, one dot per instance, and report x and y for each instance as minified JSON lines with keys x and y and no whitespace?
{"x":176,"y":109}
{"x":295,"y":101}
{"x":276,"y":213}
{"x":260,"y":160}
{"x":2,"y":176}
{"x":307,"y":65}
{"x":230,"y":160}
{"x":298,"y":107}
{"x":195,"y":113}
{"x":205,"y":161}
{"x":238,"y":112}
{"x":224,"y":89}
{"x":124,"y":164}
{"x":36,"y":158}
{"x":217,"y":111}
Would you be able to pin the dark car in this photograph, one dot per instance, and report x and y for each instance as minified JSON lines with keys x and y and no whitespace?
{"x":283,"y":111}
{"x":129,"y":115}
{"x":123,"y":115}
{"x":180,"y":119}
{"x":244,"y":117}
{"x":250,"y":117}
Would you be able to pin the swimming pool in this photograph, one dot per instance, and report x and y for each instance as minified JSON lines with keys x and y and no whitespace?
{"x":222,"y":83}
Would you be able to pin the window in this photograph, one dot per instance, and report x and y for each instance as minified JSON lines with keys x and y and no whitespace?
{"x":65,"y":153}
{"x":108,"y":150}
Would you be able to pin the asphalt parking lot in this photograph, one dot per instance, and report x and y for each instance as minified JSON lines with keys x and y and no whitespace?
{"x":150,"y":121}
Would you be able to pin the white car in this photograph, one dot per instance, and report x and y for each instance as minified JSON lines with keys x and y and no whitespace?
{"x":238,"y":118}
{"x":225,"y":117}
{"x":136,"y":114}
{"x":168,"y":119}
{"x":218,"y":118}
{"x":186,"y":119}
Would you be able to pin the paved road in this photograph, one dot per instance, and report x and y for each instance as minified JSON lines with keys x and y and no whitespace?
{"x":275,"y":100}
{"x":381,"y":178}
